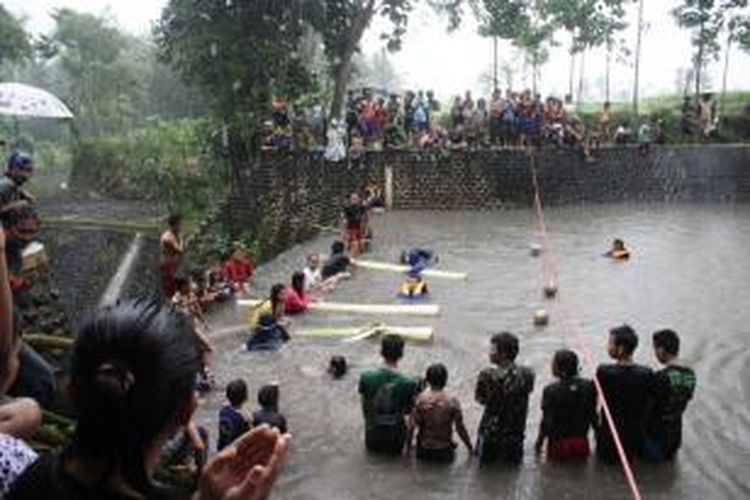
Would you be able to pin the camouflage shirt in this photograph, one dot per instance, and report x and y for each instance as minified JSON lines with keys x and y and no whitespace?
{"x":504,"y":391}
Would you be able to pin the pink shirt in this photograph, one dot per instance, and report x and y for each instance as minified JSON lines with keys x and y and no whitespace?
{"x":294,"y":302}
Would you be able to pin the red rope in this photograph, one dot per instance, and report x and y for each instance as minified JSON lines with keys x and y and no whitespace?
{"x":550,"y":275}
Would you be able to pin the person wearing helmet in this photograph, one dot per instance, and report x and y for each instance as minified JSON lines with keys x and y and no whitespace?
{"x":12,"y":195}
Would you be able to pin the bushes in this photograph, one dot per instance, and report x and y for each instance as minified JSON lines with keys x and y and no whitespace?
{"x":170,"y":163}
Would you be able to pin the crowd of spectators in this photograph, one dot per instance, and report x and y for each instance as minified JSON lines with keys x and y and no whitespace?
{"x":376,"y":120}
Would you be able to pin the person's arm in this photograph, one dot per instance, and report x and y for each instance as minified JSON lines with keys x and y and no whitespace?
{"x":412,"y":422}
{"x":545,"y":424}
{"x":482,"y":389}
{"x":20,"y":418}
{"x":461,"y":429}
{"x":6,"y":313}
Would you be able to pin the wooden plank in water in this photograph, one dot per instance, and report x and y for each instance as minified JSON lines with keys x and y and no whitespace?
{"x":399,"y":309}
{"x":400,"y":268}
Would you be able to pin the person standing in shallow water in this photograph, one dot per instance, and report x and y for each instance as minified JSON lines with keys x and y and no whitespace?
{"x":171,"y":246}
{"x":569,"y":411}
{"x":503,"y":390}
{"x":387,"y":397}
{"x":628,"y":388}
{"x":435,"y":414}
{"x":675,"y":385}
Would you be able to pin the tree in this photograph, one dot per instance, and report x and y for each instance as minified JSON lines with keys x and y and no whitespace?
{"x":14,"y":41}
{"x":533,"y":42}
{"x":102,"y":88}
{"x":240,"y":54}
{"x":734,"y":31}
{"x":704,"y":18}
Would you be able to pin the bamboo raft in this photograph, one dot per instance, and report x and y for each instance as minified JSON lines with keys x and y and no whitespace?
{"x":341,"y":307}
{"x":400,"y":268}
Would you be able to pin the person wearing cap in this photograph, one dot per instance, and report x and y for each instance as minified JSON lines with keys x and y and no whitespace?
{"x":12,"y":195}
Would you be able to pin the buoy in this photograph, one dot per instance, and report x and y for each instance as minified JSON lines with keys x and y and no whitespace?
{"x":541,"y":317}
{"x":550,"y":290}
{"x":535,"y":250}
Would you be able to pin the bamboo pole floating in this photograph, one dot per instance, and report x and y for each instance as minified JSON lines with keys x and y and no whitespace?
{"x":341,"y":307}
{"x":400,"y":268}
{"x":353,"y":333}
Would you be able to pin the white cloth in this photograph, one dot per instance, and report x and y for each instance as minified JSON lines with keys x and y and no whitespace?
{"x":335,"y":150}
{"x":313,"y":278}
{"x":15,"y":456}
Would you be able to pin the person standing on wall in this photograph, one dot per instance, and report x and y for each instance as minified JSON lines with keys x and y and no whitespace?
{"x":171,"y":246}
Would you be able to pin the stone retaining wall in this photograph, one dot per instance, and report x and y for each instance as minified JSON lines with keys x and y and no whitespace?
{"x":281,"y":197}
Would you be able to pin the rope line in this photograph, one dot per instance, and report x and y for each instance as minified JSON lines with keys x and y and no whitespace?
{"x":550,"y":273}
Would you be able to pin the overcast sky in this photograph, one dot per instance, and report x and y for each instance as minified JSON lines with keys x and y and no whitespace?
{"x":451,"y":63}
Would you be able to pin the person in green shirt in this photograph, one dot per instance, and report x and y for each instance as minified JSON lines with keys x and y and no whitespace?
{"x":387,"y":398}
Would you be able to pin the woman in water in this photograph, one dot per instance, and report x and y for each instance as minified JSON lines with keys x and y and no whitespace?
{"x":132,"y":376}
{"x":296,"y":298}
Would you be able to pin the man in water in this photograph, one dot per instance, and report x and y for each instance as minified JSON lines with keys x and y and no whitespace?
{"x":503,"y":389}
{"x":12,"y":195}
{"x":675,"y":385}
{"x":387,"y":397}
{"x":627,"y":386}
{"x":354,"y":224}
{"x":171,"y":246}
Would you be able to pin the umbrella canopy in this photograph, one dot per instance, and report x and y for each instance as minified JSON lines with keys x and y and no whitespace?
{"x":18,"y":99}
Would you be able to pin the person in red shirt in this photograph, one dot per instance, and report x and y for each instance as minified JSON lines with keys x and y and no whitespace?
{"x":296,"y":299}
{"x":238,"y":268}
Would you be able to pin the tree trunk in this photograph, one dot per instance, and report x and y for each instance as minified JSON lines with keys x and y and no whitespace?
{"x":494,"y":63}
{"x":699,"y":63}
{"x":607,"y":74}
{"x":534,"y":75}
{"x":581,"y":74}
{"x":637,"y":76}
{"x":359,"y":25}
{"x":726,"y":73}
{"x":571,"y":76}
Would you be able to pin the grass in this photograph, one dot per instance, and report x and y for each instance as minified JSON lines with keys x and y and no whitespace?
{"x":734,"y":103}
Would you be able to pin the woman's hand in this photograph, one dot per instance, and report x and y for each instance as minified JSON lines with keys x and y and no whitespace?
{"x":247,"y":469}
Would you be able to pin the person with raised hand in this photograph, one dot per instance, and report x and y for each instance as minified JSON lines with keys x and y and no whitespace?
{"x":132,"y":379}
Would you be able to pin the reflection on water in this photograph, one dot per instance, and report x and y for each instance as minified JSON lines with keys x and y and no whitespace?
{"x":688,"y":272}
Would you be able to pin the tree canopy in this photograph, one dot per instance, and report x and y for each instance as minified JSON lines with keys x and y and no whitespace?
{"x":14,"y":41}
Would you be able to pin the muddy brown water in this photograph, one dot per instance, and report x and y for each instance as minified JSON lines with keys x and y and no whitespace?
{"x":688,"y":272}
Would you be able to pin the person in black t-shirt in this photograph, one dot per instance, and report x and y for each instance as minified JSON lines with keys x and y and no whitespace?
{"x":675,"y":385}
{"x":337,"y":263}
{"x":354,"y":224}
{"x":569,"y":410}
{"x":268,"y":399}
{"x":628,"y":389}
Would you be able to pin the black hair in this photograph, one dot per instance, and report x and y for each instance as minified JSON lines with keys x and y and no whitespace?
{"x":236,"y":392}
{"x":132,"y":372}
{"x":668,"y":340}
{"x":392,"y":348}
{"x":338,"y":247}
{"x":506,"y":343}
{"x":337,"y":366}
{"x":437,"y":376}
{"x":624,"y":336}
{"x":174,"y":220}
{"x":268,"y":397}
{"x":181,"y":281}
{"x":565,"y":363}
{"x":298,"y":282}
{"x":277,"y":296}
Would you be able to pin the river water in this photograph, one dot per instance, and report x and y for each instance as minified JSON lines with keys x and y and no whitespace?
{"x":688,"y":272}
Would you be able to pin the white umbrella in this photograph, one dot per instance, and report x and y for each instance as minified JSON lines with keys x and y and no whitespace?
{"x":18,"y":99}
